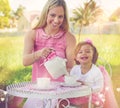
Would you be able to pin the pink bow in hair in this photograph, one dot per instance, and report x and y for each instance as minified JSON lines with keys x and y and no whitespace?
{"x":88,"y":41}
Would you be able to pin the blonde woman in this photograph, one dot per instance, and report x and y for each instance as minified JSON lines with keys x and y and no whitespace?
{"x":50,"y":33}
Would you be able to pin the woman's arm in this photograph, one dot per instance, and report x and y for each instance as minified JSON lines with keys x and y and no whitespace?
{"x":29,"y":56}
{"x":71,"y":43}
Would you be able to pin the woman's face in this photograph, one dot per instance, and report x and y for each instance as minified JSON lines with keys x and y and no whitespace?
{"x":85,"y":54}
{"x":55,"y":17}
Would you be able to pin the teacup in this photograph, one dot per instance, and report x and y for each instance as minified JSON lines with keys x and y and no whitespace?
{"x":43,"y":82}
{"x":69,"y":80}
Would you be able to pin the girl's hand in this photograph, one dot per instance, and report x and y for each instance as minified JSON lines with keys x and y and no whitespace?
{"x":81,"y":82}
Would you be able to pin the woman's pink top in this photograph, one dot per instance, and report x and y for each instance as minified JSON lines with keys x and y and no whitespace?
{"x":57,"y":42}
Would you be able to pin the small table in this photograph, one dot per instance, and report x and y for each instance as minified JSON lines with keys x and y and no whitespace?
{"x":30,"y":90}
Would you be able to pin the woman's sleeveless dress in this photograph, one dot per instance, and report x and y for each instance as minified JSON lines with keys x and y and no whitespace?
{"x":57,"y":42}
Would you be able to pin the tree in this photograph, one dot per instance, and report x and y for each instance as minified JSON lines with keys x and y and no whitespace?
{"x":86,"y":15}
{"x":15,"y":15}
{"x":19,"y":11}
{"x":115,"y":15}
{"x":4,"y":13}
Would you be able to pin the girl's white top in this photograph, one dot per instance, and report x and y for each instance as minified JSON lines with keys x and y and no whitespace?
{"x":93,"y":77}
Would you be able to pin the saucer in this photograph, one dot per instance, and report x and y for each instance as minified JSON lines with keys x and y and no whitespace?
{"x":71,"y":85}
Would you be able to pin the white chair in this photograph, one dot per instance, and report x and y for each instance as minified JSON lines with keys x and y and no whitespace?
{"x":102,"y":62}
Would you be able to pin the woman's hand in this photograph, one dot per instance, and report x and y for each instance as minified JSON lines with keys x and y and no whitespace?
{"x":43,"y":53}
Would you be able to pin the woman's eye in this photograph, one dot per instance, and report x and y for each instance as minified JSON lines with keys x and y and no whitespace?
{"x":52,"y":15}
{"x":80,"y":52}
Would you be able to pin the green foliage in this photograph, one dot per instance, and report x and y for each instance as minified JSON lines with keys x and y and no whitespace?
{"x":83,"y":16}
{"x":5,"y":7}
{"x":11,"y":68}
{"x":4,"y":13}
{"x":115,"y":15}
{"x":19,"y":11}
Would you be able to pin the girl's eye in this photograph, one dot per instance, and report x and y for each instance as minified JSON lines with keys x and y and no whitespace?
{"x":88,"y":51}
{"x":61,"y":17}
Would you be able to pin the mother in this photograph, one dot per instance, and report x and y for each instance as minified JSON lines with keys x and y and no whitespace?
{"x":51,"y":32}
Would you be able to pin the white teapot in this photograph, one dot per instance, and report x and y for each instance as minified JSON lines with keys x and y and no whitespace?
{"x":56,"y":67}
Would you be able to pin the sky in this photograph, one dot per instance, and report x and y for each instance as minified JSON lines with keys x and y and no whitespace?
{"x":108,"y":5}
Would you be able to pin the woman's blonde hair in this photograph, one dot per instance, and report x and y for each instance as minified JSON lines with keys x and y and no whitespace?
{"x":95,"y":52}
{"x":49,"y":5}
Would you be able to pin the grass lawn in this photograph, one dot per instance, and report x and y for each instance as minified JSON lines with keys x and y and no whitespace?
{"x":12,"y":70}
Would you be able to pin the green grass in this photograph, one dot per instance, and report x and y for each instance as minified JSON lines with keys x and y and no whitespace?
{"x":12,"y":70}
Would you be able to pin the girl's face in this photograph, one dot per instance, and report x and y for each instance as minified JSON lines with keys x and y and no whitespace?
{"x":55,"y":17}
{"x":85,"y":54}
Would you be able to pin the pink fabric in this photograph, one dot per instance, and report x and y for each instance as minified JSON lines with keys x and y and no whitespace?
{"x":110,"y":100}
{"x":82,"y":100}
{"x":15,"y":102}
{"x":88,"y":41}
{"x":57,"y":42}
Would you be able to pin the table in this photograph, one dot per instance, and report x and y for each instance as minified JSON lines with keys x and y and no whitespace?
{"x":30,"y":90}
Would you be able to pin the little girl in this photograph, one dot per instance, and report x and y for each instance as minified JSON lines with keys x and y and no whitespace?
{"x":87,"y":73}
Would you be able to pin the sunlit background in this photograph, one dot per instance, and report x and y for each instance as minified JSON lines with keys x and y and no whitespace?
{"x":108,"y":5}
{"x":105,"y":34}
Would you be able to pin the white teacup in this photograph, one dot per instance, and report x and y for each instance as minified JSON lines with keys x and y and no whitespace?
{"x":43,"y":82}
{"x":69,"y":80}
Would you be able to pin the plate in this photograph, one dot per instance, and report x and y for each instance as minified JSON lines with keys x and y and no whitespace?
{"x":71,"y":85}
{"x":36,"y":87}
